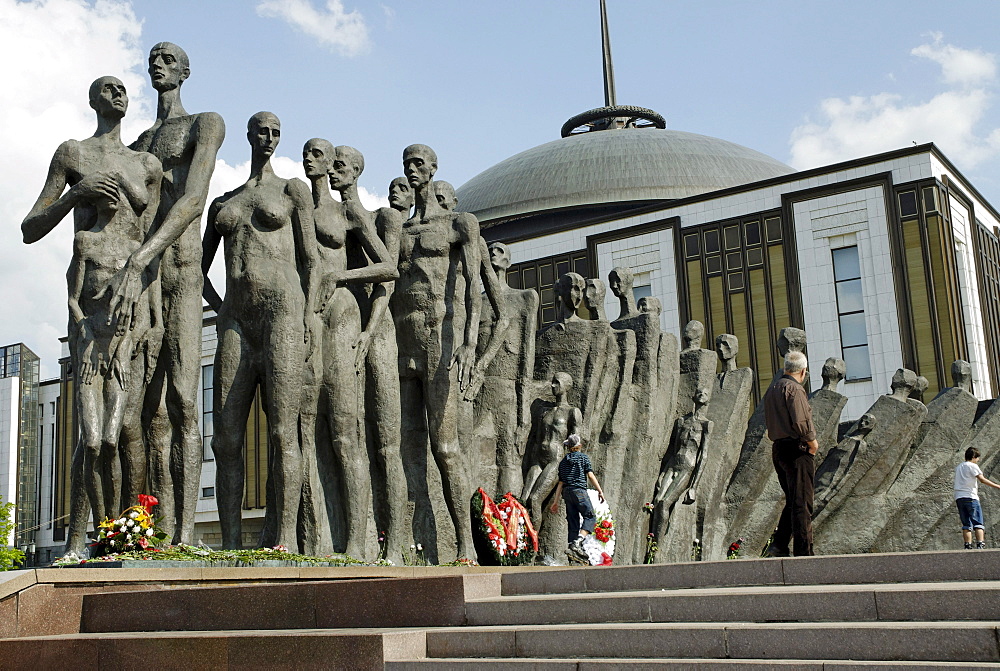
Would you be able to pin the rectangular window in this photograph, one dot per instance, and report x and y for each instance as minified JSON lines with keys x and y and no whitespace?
{"x":851,"y":313}
{"x":208,"y":492}
{"x":542,"y":274}
{"x":207,"y":405}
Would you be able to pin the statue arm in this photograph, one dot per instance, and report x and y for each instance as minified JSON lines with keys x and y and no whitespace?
{"x":527,"y":362}
{"x":208,"y":132}
{"x":491,"y":285}
{"x":209,"y":247}
{"x":699,"y":461}
{"x":52,"y":204}
{"x":307,"y":249}
{"x":465,"y":355}
{"x":382,"y":268}
{"x":390,"y":222}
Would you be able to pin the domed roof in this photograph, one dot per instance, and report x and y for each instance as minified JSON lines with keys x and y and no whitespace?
{"x":612,"y":166}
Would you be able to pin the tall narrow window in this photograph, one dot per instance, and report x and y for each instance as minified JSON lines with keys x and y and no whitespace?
{"x":207,"y":422}
{"x":851,"y":313}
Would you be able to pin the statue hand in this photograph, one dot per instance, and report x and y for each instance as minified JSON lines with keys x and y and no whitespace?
{"x":100,"y":187}
{"x":120,"y":372}
{"x":465,"y":357}
{"x":475,"y":384}
{"x":361,"y":346}
{"x":125,"y":287}
{"x":689,"y":496}
{"x":89,"y":363}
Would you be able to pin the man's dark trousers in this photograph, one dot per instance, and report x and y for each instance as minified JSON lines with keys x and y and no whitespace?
{"x":796,"y":469}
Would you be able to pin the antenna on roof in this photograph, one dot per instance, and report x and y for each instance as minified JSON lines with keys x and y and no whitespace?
{"x":609,"y":68}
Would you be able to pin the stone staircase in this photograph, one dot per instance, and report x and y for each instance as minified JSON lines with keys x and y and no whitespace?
{"x":889,"y":611}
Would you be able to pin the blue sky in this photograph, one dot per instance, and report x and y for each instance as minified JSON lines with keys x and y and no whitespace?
{"x":805,"y":82}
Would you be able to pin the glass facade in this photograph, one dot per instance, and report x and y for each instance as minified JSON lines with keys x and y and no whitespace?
{"x":851,"y":313}
{"x":20,"y":362}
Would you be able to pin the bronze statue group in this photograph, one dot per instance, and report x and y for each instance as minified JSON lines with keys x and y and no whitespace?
{"x":397,"y":368}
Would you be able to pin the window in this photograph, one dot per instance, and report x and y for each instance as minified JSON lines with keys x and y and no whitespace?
{"x":851,"y":313}
{"x":908,"y":204}
{"x":207,"y":423}
{"x":642,"y":291}
{"x":208,"y":492}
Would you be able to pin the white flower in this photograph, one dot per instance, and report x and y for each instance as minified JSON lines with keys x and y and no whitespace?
{"x":120,"y":521}
{"x":420,"y":548}
{"x":149,"y":532}
{"x":111,"y":543}
{"x":128,"y":537}
{"x":413,"y":547}
{"x":130,"y":523}
{"x":133,"y":515}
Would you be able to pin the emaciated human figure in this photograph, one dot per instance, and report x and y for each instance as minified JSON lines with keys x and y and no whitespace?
{"x":186,"y":144}
{"x":552,"y":427}
{"x":436,"y":309}
{"x":445,"y":194}
{"x":839,"y":460}
{"x":683,"y":464}
{"x":620,"y":281}
{"x":271,"y":292}
{"x":344,"y":346}
{"x":697,"y":365}
{"x":503,"y":370}
{"x":834,"y":371}
{"x":113,"y":194}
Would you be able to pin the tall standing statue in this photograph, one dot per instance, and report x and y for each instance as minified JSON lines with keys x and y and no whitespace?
{"x":680,"y":474}
{"x":186,"y":145}
{"x":113,"y":194}
{"x":503,"y":370}
{"x":271,"y":293}
{"x":436,"y":308}
{"x":697,"y":365}
{"x":552,"y":427}
{"x":620,"y":279}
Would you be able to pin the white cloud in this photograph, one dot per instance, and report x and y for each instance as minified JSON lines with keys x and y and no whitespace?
{"x":959,"y":66}
{"x":333,"y":27}
{"x":55,"y":48}
{"x":862,"y":125}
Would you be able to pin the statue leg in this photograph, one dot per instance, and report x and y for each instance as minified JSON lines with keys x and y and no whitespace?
{"x":529,"y":482}
{"x":115,"y":402}
{"x":413,"y":451}
{"x":442,"y":398}
{"x":158,"y":434}
{"x":508,"y":450}
{"x":282,"y":396}
{"x":91,"y":424}
{"x":233,"y":391}
{"x":131,"y":446}
{"x":383,"y":410}
{"x":80,"y":502}
{"x":315,"y":535}
{"x":183,"y":379}
{"x":543,"y":487}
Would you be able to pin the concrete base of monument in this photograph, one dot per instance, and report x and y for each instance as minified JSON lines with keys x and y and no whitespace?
{"x":899,"y":611}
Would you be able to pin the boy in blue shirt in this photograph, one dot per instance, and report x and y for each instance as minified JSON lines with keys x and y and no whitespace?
{"x":575,"y":472}
{"x":968,"y":475}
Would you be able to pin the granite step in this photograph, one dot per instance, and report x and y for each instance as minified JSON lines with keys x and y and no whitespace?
{"x":968,"y":642}
{"x":953,"y":601}
{"x":295,"y":648}
{"x":609,"y":664}
{"x":940,"y":566}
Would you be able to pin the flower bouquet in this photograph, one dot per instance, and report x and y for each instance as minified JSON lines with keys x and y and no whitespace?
{"x":504,"y":535}
{"x":134,"y":530}
{"x":600,"y":545}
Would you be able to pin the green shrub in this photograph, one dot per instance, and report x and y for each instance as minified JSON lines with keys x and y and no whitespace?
{"x":10,"y":558}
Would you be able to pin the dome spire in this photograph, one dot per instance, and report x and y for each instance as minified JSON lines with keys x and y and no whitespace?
{"x":609,"y":68}
{"x":612,"y":115}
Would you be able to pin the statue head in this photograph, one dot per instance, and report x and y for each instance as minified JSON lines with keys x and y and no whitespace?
{"x":650,"y":305}
{"x":903,"y":383}
{"x":317,"y":157}
{"x":108,"y":98}
{"x":791,"y":339}
{"x":727,"y":346}
{"x":593,"y":295}
{"x":620,"y":281}
{"x":346,"y":167}
{"x":263,"y":133}
{"x":445,"y":194}
{"x":694,"y":333}
{"x":419,"y":164}
{"x":702,"y":395}
{"x":561,"y":384}
{"x":834,"y":370}
{"x":921,"y":387}
{"x":961,"y":375}
{"x":865,"y":424}
{"x":499,"y":256}
{"x":400,"y":195}
{"x":168,"y":66}
{"x":569,"y":288}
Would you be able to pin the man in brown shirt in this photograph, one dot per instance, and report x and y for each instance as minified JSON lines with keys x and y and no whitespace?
{"x":788,"y":416}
